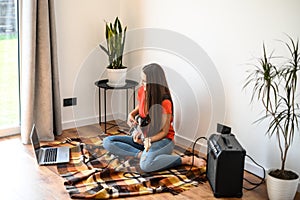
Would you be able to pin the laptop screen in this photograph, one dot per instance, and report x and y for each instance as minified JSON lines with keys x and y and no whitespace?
{"x":35,"y":141}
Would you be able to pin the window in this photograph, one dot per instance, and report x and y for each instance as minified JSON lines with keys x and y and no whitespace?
{"x":9,"y":68}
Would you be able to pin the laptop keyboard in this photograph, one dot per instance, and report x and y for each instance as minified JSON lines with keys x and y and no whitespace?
{"x":50,"y":155}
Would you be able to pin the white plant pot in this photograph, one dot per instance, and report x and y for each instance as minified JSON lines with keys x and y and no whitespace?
{"x":279,"y":189}
{"x":116,"y":77}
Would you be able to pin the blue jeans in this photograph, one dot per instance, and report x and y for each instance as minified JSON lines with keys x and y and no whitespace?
{"x":157,"y":158}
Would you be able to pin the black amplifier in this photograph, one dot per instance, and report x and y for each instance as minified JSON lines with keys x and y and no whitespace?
{"x":225,"y":165}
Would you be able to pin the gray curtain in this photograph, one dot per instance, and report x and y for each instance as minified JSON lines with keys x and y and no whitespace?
{"x":40,"y":94}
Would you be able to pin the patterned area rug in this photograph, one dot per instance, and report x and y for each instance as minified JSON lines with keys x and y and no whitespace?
{"x":94,"y":173}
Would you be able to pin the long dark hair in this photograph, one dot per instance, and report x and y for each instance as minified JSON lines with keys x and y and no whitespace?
{"x":157,"y":90}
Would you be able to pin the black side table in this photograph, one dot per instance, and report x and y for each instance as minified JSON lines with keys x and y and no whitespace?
{"x":130,"y":84}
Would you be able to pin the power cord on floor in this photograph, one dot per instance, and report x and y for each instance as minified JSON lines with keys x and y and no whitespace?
{"x":250,"y":182}
{"x":262,"y":179}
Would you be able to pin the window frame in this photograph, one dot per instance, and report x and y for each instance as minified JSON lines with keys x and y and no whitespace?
{"x":13,"y":130}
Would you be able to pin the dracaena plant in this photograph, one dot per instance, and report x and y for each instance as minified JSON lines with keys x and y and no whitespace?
{"x":115,"y":41}
{"x":275,"y":86}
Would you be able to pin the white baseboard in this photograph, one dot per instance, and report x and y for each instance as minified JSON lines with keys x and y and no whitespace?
{"x":186,"y":142}
{"x":253,"y":168}
{"x":10,"y":131}
{"x":84,"y":121}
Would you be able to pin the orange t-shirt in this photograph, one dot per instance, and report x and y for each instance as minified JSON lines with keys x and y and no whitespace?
{"x":167,"y":109}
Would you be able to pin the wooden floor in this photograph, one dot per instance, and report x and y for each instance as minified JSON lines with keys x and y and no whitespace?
{"x":22,"y":178}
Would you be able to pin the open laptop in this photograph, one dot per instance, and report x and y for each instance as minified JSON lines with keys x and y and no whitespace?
{"x":48,"y":155}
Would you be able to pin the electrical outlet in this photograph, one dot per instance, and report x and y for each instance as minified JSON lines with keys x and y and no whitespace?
{"x":70,"y":102}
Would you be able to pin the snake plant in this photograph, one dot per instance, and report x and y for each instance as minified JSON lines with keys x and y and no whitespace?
{"x":115,"y":41}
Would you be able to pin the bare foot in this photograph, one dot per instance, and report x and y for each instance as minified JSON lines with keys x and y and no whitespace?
{"x":198,"y":162}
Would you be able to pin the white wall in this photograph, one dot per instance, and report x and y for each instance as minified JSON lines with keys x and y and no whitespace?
{"x":228,"y":35}
{"x":231,"y":33}
{"x":80,"y":28}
